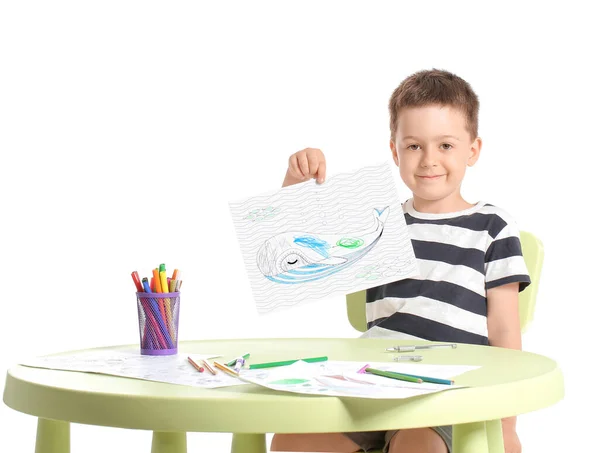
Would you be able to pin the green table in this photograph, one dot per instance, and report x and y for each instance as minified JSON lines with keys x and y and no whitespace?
{"x":509,"y":383}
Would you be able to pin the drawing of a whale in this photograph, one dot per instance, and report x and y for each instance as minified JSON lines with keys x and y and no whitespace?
{"x":297,"y":257}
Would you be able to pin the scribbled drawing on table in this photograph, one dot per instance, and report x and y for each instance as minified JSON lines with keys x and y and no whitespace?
{"x":298,"y":257}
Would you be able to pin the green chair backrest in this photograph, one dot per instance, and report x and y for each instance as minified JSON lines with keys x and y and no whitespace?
{"x":533,"y":252}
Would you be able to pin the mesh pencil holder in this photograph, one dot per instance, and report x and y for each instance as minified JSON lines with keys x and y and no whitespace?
{"x":158,"y":315}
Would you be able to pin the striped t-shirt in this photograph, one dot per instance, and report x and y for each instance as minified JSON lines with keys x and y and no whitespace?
{"x":460,"y":255}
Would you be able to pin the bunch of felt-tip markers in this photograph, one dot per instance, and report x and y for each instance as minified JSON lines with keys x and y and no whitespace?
{"x":160,"y":313}
{"x":159,"y":282}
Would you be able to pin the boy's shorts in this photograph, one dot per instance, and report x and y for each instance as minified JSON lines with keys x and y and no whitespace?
{"x":380,"y":440}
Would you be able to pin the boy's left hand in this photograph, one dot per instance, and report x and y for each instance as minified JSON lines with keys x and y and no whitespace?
{"x":512,"y":444}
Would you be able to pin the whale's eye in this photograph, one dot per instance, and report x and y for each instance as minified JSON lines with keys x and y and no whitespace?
{"x":292,"y":261}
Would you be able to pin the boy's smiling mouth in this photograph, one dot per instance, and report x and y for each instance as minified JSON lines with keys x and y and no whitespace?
{"x":429,"y":177}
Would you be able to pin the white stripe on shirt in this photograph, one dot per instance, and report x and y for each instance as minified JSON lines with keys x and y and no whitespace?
{"x":430,"y":309}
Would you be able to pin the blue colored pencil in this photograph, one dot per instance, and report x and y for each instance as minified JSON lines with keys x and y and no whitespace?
{"x":431,"y":380}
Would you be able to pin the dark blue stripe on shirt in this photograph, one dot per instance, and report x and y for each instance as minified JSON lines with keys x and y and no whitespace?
{"x":451,"y":254}
{"x":428,"y":329}
{"x":456,"y":295}
{"x":523,"y":280}
{"x":503,"y":248}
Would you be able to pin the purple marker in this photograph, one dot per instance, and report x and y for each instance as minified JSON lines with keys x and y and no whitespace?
{"x":239,"y":363}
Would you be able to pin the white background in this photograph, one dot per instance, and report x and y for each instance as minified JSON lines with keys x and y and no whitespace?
{"x":126,"y":127}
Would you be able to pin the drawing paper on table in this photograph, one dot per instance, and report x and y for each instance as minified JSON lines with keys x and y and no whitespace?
{"x":341,"y":378}
{"x":310,"y":241}
{"x":172,"y":369}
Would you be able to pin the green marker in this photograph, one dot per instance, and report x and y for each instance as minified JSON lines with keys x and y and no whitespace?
{"x":257,"y":366}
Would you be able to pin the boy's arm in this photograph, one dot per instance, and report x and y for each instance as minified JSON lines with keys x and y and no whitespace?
{"x":504,"y":327}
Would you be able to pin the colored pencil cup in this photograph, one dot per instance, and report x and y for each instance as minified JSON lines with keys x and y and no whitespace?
{"x":158,"y":316}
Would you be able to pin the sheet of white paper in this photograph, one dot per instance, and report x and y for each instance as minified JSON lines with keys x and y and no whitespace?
{"x":309,"y":241}
{"x":342,"y":379}
{"x":172,"y":369}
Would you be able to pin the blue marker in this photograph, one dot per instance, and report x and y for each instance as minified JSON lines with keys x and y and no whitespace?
{"x":146,"y":285}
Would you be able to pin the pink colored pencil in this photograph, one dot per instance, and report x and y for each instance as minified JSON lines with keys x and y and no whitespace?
{"x":362,"y":370}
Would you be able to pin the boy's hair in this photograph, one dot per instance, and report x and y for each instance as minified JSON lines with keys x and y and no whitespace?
{"x":435,"y":87}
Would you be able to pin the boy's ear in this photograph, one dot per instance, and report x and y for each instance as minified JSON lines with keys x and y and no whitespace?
{"x":394,"y":153}
{"x":474,"y":152}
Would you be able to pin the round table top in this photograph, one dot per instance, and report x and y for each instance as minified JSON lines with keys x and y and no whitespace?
{"x":508,"y":383}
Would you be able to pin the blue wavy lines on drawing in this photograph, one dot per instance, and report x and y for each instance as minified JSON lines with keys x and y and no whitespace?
{"x":299,"y":257}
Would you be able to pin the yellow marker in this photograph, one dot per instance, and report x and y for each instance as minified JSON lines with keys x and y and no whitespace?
{"x":163,"y":281}
{"x":167,"y":302}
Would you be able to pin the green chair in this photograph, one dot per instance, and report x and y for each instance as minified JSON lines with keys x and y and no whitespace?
{"x":533,"y":252}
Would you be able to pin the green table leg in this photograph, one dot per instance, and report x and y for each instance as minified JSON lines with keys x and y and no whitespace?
{"x":169,"y":442}
{"x":470,"y":438}
{"x":53,"y":436}
{"x":249,"y":443}
{"x":493,"y":429}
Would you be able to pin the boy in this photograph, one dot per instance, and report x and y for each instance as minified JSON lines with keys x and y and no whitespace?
{"x":469,"y":255}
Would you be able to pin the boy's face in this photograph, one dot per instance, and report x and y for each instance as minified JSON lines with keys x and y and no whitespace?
{"x":432,"y":148}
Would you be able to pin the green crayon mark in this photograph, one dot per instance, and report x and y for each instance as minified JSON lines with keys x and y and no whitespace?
{"x":291,"y":381}
{"x":350,"y":243}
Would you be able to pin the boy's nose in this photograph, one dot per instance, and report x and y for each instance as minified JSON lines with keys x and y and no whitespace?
{"x":428,"y":159}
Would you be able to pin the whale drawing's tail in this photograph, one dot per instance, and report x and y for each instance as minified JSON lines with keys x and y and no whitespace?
{"x":381,"y":216}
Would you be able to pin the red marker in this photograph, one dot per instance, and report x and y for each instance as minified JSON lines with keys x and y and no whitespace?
{"x":138,"y":283}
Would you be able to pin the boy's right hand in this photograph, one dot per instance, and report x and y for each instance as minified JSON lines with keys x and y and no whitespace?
{"x":305,"y":164}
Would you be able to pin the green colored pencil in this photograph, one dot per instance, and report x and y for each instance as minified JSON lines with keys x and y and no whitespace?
{"x":393,"y":375}
{"x":431,"y":380}
{"x":256,"y":366}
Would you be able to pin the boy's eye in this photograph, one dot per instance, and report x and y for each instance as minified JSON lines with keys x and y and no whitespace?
{"x":448,"y":145}
{"x":411,"y":147}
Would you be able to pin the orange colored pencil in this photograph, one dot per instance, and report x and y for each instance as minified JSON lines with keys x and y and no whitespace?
{"x":225,"y":368}
{"x":208,"y":367}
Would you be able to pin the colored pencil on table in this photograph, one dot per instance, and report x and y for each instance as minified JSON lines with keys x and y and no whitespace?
{"x":195,"y":365}
{"x":208,"y":367}
{"x":431,"y":380}
{"x":362,"y":370}
{"x":392,"y":375}
{"x":256,"y":366}
{"x":224,"y":368}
